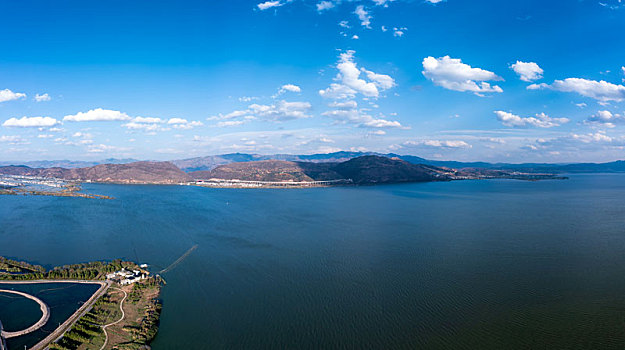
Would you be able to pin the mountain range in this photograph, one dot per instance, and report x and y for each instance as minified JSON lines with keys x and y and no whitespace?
{"x":211,"y":162}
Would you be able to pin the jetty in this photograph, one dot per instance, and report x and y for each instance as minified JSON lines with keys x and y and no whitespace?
{"x":45,"y":310}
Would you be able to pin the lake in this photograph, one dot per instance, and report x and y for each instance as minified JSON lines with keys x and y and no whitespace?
{"x":497,"y":264}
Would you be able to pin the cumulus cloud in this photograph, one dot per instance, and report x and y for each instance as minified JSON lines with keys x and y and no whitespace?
{"x":8,"y":95}
{"x":180,"y":123}
{"x":605,"y":118}
{"x":602,"y":91}
{"x":361,"y":119}
{"x":452,"y":74}
{"x":349,"y":82}
{"x":363,"y":16}
{"x":434,"y":1}
{"x":592,"y":137}
{"x":289,"y":88}
{"x":281,"y":111}
{"x":527,"y":71}
{"x":42,"y":98}
{"x":269,"y":4}
{"x":399,"y":32}
{"x":541,"y":120}
{"x":97,"y":114}
{"x":325,"y":5}
{"x":30,"y":122}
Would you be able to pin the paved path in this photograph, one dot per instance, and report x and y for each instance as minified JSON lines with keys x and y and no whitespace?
{"x":121,"y":308}
{"x":45,"y":310}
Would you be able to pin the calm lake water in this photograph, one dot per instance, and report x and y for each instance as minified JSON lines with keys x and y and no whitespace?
{"x":463,"y":265}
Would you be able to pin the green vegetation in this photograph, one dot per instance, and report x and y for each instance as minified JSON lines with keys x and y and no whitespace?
{"x":8,"y":265}
{"x":146,"y":330}
{"x":139,"y":289}
{"x":135,"y":331}
{"x":87,"y":330}
{"x":97,"y":270}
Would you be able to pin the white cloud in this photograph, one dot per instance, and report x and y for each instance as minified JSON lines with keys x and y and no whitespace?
{"x":344,"y":24}
{"x":527,"y":71}
{"x":133,"y":125}
{"x":434,"y":1}
{"x":350,"y":82}
{"x":290,"y":87}
{"x":281,"y":111}
{"x":355,"y":37}
{"x":325,"y":5}
{"x":101,"y":148}
{"x":82,"y":135}
{"x":150,"y":124}
{"x":438,"y":143}
{"x":451,"y":73}
{"x":382,"y":81}
{"x":42,"y":98}
{"x":361,"y":119}
{"x":605,"y":118}
{"x":344,"y":105}
{"x":179,"y":123}
{"x":8,"y":95}
{"x":31,"y":122}
{"x":602,"y":91}
{"x":363,"y":16}
{"x":399,"y":32}
{"x":247,"y":98}
{"x":541,"y":120}
{"x":592,"y":137}
{"x":13,"y":140}
{"x":269,"y":4}
{"x":231,"y":115}
{"x":229,"y":123}
{"x":382,"y":2}
{"x":97,"y":114}
{"x":147,"y":120}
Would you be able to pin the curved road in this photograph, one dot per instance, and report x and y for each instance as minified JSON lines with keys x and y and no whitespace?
{"x":45,"y":310}
{"x":121,"y":308}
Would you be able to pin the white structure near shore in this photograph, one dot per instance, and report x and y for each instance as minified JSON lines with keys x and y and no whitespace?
{"x":126,"y":277}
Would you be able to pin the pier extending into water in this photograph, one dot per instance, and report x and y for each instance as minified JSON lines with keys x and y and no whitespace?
{"x":45,"y":310}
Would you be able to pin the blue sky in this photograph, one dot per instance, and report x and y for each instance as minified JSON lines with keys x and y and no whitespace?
{"x":510,"y":81}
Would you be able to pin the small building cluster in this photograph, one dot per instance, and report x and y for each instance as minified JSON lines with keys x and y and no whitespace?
{"x":125,"y":277}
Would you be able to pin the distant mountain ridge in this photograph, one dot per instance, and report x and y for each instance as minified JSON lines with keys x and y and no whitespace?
{"x":211,"y":162}
{"x":130,"y":173}
{"x":360,"y":170}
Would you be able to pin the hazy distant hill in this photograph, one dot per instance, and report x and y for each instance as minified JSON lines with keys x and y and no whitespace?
{"x":69,"y":164}
{"x":211,"y":162}
{"x":361,"y":170}
{"x":137,"y":172}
